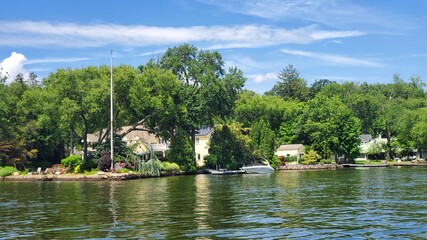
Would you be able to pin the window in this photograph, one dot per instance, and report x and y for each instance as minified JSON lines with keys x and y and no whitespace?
{"x":287,"y":155}
{"x":198,"y":156}
{"x":197,"y":141}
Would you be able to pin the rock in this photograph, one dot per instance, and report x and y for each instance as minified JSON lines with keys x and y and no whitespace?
{"x":16,"y":174}
{"x":101,"y":173}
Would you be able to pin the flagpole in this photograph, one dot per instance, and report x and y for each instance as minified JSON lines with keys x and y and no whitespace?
{"x":111,"y":113}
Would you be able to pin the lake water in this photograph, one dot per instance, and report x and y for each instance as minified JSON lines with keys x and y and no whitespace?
{"x":374,"y":203}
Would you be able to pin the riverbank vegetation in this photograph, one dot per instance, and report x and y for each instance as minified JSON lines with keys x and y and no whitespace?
{"x":42,"y":123}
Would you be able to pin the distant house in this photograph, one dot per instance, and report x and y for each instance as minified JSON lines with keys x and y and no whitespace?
{"x":290,"y":150}
{"x":140,"y":141}
{"x":201,"y":145}
{"x":369,"y":145}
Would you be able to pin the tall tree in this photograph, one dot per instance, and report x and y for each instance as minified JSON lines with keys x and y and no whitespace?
{"x":82,"y":95}
{"x":207,"y":90}
{"x":290,"y":86}
{"x":263,"y":139}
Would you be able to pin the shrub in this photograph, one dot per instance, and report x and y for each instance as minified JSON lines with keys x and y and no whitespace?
{"x":71,"y":162}
{"x":326,"y":161}
{"x":152,"y":167}
{"x":311,"y":157}
{"x":104,"y":163}
{"x":124,"y":170}
{"x":77,"y":169}
{"x":291,"y":159}
{"x":275,"y":162}
{"x":7,"y":171}
{"x":169,"y":167}
{"x":88,"y":165}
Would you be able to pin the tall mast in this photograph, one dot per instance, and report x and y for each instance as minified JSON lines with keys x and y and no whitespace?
{"x":111,"y":113}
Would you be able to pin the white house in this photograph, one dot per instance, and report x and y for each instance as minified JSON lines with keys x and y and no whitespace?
{"x":368,"y":144}
{"x":290,"y":150}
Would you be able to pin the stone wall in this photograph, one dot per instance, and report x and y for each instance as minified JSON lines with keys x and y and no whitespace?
{"x":308,"y":167}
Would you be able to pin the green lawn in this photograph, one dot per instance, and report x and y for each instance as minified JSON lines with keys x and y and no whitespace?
{"x":374,"y":162}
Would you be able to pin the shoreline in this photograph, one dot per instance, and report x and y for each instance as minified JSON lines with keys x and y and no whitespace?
{"x":82,"y":177}
{"x":101,"y":176}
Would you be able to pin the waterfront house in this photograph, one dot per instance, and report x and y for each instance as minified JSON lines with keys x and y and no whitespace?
{"x":141,"y":141}
{"x":201,"y":145}
{"x":288,"y":150}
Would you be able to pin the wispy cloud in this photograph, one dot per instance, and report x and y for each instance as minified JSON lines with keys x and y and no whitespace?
{"x":46,"y":34}
{"x":55,"y":60}
{"x":335,"y":59}
{"x":337,"y":13}
{"x":153,"y":53}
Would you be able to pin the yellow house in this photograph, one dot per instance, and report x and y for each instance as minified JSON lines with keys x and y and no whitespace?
{"x":201,"y":145}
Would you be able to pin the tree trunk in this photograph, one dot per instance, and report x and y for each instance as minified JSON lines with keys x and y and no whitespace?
{"x":71,"y":142}
{"x":85,"y":145}
{"x":193,"y":141}
{"x":388,"y":153}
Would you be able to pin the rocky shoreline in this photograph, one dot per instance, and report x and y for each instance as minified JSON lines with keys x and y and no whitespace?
{"x":103,"y":176}
{"x":309,"y":167}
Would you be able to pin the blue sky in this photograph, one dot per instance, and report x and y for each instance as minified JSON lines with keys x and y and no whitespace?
{"x":340,"y":40}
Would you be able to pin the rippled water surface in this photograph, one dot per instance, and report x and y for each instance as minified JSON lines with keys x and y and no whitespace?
{"x":373,"y":203}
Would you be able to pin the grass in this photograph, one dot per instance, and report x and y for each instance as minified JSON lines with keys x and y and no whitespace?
{"x":7,"y":171}
{"x":375,"y":162}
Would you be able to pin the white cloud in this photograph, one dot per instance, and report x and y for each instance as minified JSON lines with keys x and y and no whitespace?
{"x":46,"y":34}
{"x":335,"y":59}
{"x":268,"y":77}
{"x":13,"y":65}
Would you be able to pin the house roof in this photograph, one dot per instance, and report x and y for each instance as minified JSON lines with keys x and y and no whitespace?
{"x":365,"y":138}
{"x":204,"y":131}
{"x":290,"y":147}
{"x":134,"y":135}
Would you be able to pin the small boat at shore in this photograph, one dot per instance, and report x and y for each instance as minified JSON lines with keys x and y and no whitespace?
{"x":259,"y":168}
{"x":225,"y":172}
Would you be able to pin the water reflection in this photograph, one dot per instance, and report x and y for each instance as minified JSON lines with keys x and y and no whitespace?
{"x":368,"y":203}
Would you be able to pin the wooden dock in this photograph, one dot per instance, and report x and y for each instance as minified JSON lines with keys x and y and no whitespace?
{"x":365,"y":165}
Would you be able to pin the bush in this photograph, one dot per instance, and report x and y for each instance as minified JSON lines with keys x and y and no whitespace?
{"x":311,"y":157}
{"x":275,"y":162}
{"x":88,"y":165}
{"x":169,"y":167}
{"x":77,"y":169}
{"x":104,"y":163}
{"x":326,"y":161}
{"x":72,"y":162}
{"x":291,"y":159}
{"x":152,"y":167}
{"x":7,"y":171}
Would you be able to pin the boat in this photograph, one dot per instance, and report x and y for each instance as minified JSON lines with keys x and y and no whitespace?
{"x":225,"y":172}
{"x":258,"y":168}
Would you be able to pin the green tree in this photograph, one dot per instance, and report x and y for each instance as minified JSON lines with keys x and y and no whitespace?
{"x":82,"y":95}
{"x":251,"y":108}
{"x":263,"y":139}
{"x":330,"y":128}
{"x":42,"y":121}
{"x":181,"y":151}
{"x":290,"y":86}
{"x":207,"y":91}
{"x":229,"y":147}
